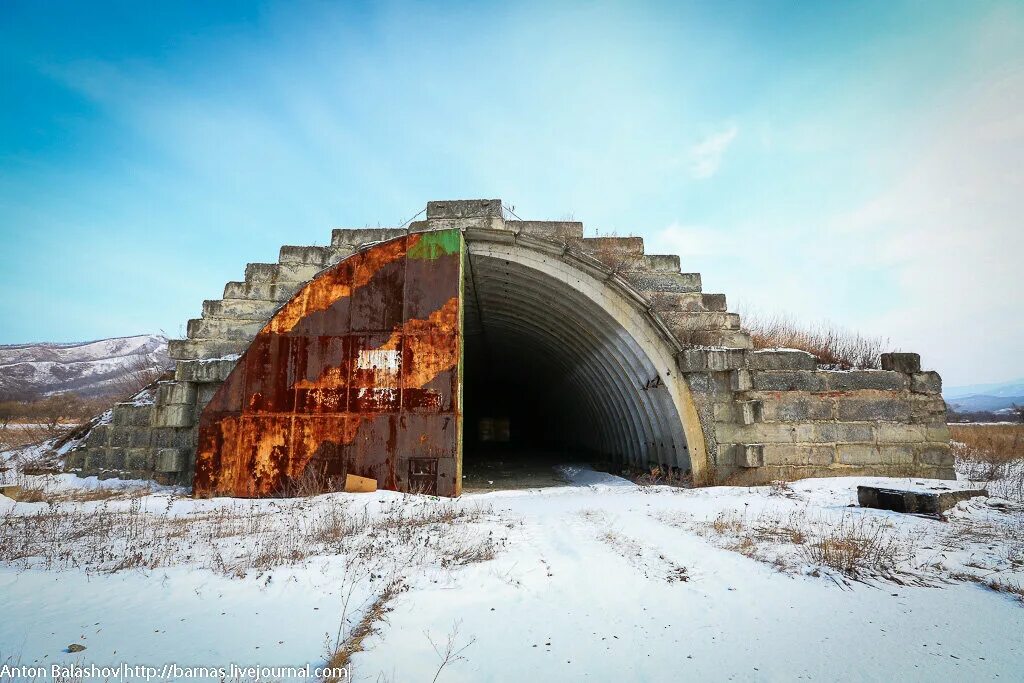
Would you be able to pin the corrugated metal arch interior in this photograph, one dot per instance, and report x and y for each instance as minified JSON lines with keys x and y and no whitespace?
{"x":534,"y":324}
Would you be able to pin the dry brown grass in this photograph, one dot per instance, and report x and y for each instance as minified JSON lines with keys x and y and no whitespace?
{"x":658,"y":476}
{"x":992,"y":454}
{"x":833,"y":346}
{"x":855,"y":546}
{"x":339,"y":655}
{"x":117,"y":534}
{"x":991,"y":442}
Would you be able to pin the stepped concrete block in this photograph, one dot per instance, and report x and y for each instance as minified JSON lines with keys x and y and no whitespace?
{"x":900,"y":433}
{"x":169,"y":460}
{"x":94,"y":458}
{"x":855,"y":380}
{"x":838,"y":432}
{"x":261,"y":291}
{"x":196,"y":349}
{"x":99,"y":437}
{"x":873,"y":409}
{"x":240,"y":309}
{"x":75,"y":460}
{"x":168,"y":437}
{"x":628,"y":246}
{"x":204,"y":371}
{"x":349,"y":237}
{"x":175,"y":415}
{"x":727,"y":339}
{"x":130,"y":415}
{"x":741,"y":380}
{"x":937,"y":433}
{"x":117,"y":458}
{"x":662,"y":263}
{"x":775,"y":454}
{"x":224,"y":328}
{"x":280,"y":272}
{"x":294,"y":254}
{"x":139,"y":437}
{"x":785,"y":409}
{"x":787,"y":380}
{"x":927,"y":408}
{"x":749,"y":455}
{"x":715,"y":360}
{"x":863,"y":454}
{"x":318,"y":256}
{"x":120,"y":437}
{"x":139,"y":459}
{"x":662,"y":302}
{"x":763,"y":432}
{"x":168,"y":393}
{"x":464,"y":208}
{"x":782,"y":359}
{"x":926,"y":383}
{"x":937,"y":454}
{"x":700,"y":320}
{"x":663,"y":282}
{"x":901,"y":362}
{"x":710,"y":383}
{"x":205,"y":394}
{"x":714,"y":302}
{"x":555,"y":230}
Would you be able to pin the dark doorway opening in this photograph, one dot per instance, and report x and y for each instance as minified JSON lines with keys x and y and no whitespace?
{"x":517,"y":432}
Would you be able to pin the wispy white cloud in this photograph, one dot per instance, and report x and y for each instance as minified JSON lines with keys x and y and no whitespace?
{"x":706,"y":155}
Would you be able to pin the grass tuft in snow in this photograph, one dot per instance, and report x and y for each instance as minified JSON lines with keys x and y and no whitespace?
{"x":855,"y":546}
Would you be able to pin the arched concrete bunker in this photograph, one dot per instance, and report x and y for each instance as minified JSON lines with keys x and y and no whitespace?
{"x":402,"y":354}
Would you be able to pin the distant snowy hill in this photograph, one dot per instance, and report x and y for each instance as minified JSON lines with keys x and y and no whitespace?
{"x":985,"y":397}
{"x":86,"y":368}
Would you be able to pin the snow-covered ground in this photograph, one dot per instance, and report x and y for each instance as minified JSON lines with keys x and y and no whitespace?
{"x":600,"y":580}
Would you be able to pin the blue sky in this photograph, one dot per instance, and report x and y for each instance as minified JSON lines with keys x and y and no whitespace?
{"x":853,"y":162}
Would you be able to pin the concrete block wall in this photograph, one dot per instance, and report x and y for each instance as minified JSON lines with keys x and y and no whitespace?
{"x":773,"y":414}
{"x":765,"y":414}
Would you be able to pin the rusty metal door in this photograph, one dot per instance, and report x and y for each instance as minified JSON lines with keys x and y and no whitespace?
{"x":359,"y":373}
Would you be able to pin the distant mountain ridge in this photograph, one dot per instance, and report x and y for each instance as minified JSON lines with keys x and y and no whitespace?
{"x":88,"y":369}
{"x":995,"y":397}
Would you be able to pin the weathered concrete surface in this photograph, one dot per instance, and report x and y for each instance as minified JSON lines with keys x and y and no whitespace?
{"x":924,"y":500}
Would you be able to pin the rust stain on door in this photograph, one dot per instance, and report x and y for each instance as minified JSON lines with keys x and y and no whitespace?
{"x":359,"y":373}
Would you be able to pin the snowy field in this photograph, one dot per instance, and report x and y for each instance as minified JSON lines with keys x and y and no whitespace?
{"x":600,"y":580}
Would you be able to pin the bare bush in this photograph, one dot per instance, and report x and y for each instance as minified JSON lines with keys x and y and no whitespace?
{"x":831,"y":345}
{"x":137,"y":374}
{"x":452,"y":650}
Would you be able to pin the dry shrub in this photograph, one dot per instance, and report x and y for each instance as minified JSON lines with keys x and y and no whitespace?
{"x":992,"y":454}
{"x":137,"y":374}
{"x":855,"y":546}
{"x":312,"y":482}
{"x":858,"y":546}
{"x":831,"y":345}
{"x":610,"y":249}
{"x":658,"y":476}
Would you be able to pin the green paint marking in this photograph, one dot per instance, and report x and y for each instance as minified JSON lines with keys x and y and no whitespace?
{"x":432,"y":245}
